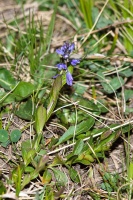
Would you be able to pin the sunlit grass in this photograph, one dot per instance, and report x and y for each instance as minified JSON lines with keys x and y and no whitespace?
{"x":124,"y":10}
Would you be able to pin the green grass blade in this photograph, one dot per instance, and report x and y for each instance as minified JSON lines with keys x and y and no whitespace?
{"x":50,"y":28}
{"x":86,"y":7}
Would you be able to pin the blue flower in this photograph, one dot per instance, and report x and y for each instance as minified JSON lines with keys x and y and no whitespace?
{"x":61,"y":66}
{"x":66,"y":50}
{"x":74,"y":62}
{"x":60,"y":51}
{"x":69,"y":79}
{"x":71,"y":47}
{"x":66,"y":59}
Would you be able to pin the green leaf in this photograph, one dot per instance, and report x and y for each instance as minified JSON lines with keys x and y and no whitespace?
{"x":86,"y":103}
{"x":6,"y":79}
{"x":127,"y":72}
{"x":30,"y":148}
{"x":53,"y":97}
{"x":28,"y":177}
{"x":3,"y":135}
{"x":74,"y":175}
{"x":106,"y":186}
{"x":109,"y":137}
{"x":47,"y":176}
{"x":15,"y":135}
{"x":2,"y":94}
{"x":23,"y":90}
{"x":85,"y":156}
{"x":29,"y":169}
{"x":49,"y":194}
{"x":57,"y":85}
{"x":128,"y":110}
{"x":57,"y":161}
{"x":130,"y":171}
{"x":40,"y":118}
{"x":25,"y":110}
{"x":16,"y":178}
{"x":29,"y":156}
{"x":105,"y":144}
{"x":84,"y":126}
{"x":102,"y":105}
{"x":79,"y":89}
{"x":25,"y":147}
{"x":102,"y":22}
{"x":113,"y":84}
{"x":128,"y":94}
{"x":78,"y":147}
{"x":71,"y":158}
{"x":10,"y":98}
{"x":5,"y":144}
{"x":50,"y":59}
{"x":42,"y":162}
{"x":67,"y":116}
{"x":84,"y":162}
{"x":2,"y":188}
{"x":61,"y":177}
{"x":41,"y":153}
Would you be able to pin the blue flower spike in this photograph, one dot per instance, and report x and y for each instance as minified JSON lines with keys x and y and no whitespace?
{"x":65,"y":51}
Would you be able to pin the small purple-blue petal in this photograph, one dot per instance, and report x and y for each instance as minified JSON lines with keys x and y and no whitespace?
{"x":65,"y":56}
{"x":61,"y":66}
{"x":71,"y":47}
{"x":56,"y":76}
{"x":69,"y":79}
{"x":74,"y":62}
{"x":65,"y":46}
{"x":60,"y":51}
